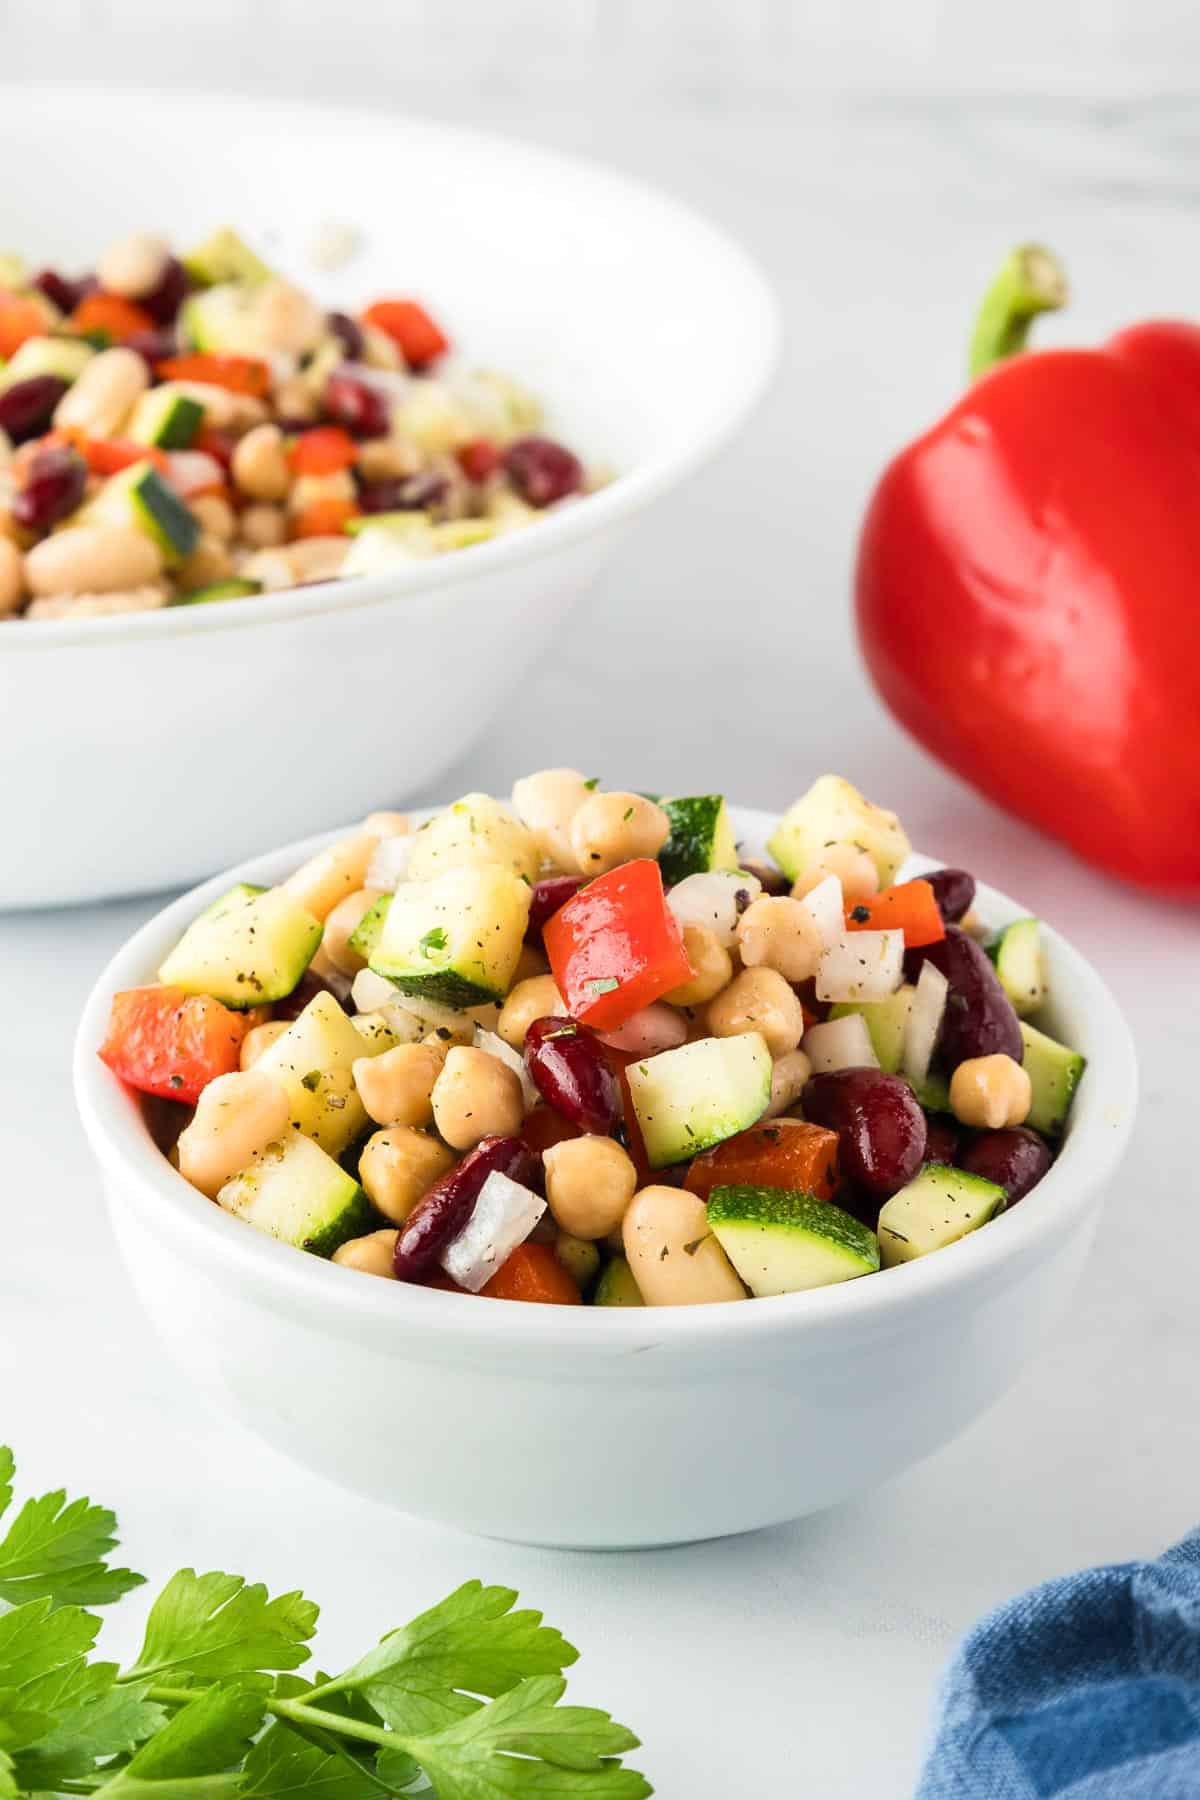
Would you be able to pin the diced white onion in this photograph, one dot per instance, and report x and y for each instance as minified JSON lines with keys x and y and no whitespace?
{"x":503,"y":1217}
{"x":370,"y":992}
{"x":411,"y":1016}
{"x":924,"y":1022}
{"x":862,"y":965}
{"x":840,"y":1044}
{"x":388,"y":866}
{"x":192,"y":471}
{"x":828,"y":908}
{"x":496,"y":1046}
{"x":717,"y":898}
{"x":654,"y":1028}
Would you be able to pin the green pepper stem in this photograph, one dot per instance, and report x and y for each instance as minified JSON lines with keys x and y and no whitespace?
{"x":1031,"y":281}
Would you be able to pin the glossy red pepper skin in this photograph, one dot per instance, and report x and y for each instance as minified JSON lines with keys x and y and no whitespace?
{"x":1028,"y":595}
{"x":616,"y":946}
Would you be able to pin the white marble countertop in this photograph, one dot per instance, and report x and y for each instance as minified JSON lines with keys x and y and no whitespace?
{"x":813,"y":1647}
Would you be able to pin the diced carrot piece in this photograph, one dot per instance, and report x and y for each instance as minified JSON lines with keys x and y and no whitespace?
{"x":239,"y":374}
{"x":112,"y":314}
{"x":325,"y":450}
{"x":323,"y":518}
{"x":779,"y":1153}
{"x":20,"y":318}
{"x":910,"y":906}
{"x":533,"y":1272}
{"x":409,"y":326}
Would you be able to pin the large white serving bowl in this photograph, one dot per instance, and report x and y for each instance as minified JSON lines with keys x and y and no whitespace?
{"x":589,"y":1426}
{"x":145,"y":751}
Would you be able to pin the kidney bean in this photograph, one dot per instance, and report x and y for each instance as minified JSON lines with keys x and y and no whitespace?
{"x":409,"y":493}
{"x":360,"y":408}
{"x":979,"y":1019}
{"x":153,"y":346}
{"x":27,"y":407}
{"x":441,"y":1214}
{"x":349,"y":334}
{"x":306,"y":989}
{"x":60,"y":290}
{"x":542,"y":471}
{"x":547,"y":897}
{"x":1015,"y":1159}
{"x":169,"y":293}
{"x":941,"y":1140}
{"x":881,"y":1129}
{"x":774,"y":881}
{"x":954,"y":891}
{"x":53,"y":487}
{"x":572,"y":1074}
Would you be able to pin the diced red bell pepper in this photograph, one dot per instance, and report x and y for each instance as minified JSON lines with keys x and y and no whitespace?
{"x":910,"y":907}
{"x":323,"y":518}
{"x":616,"y":946}
{"x":166,"y":1042}
{"x":635,"y":1143}
{"x":410,"y":327}
{"x":479,"y":459}
{"x":325,"y":450}
{"x":533,"y":1272}
{"x":239,"y":374}
{"x":108,"y":456}
{"x":779,"y":1153}
{"x":112,"y":314}
{"x":20,"y":319}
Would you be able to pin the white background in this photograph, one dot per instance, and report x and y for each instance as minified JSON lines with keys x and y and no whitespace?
{"x":878,"y":158}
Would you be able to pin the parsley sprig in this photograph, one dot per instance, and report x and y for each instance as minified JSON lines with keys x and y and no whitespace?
{"x":463,"y":1703}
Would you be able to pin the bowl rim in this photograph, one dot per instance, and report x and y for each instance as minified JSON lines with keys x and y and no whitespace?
{"x":759,"y":335}
{"x":290,"y":1281}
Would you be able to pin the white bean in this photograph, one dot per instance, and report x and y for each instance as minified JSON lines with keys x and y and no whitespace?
{"x":104,"y":395}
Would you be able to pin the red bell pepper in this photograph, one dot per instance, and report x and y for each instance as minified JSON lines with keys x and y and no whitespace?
{"x":420,"y":339}
{"x":616,"y":946}
{"x":173,"y":1044}
{"x":1026,"y":584}
{"x":239,"y":374}
{"x":910,"y":907}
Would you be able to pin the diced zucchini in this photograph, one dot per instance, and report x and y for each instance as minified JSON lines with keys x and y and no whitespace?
{"x":933,"y":1093}
{"x":365,"y":935}
{"x":1017,"y":954}
{"x":473,"y":832}
{"x":616,"y":1286}
{"x":456,"y":939}
{"x":782,"y":1241}
{"x":293,"y":1191}
{"x":312,"y":1061}
{"x":245,"y":951}
{"x":14,"y":270}
{"x":225,"y":257}
{"x":689,"y":1099}
{"x":834,"y":812}
{"x":61,"y":356}
{"x":1054,"y":1072}
{"x":701,"y":837}
{"x":139,"y":496}
{"x":224,"y":320}
{"x":886,"y":1021}
{"x":233,"y":587}
{"x":245,"y":890}
{"x":166,"y":417}
{"x":939,"y":1206}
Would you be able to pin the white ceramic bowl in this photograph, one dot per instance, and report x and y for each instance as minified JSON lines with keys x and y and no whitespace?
{"x":151,"y":748}
{"x":591,"y":1427}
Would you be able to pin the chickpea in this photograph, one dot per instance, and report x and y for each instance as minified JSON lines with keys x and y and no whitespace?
{"x":260,"y":466}
{"x":387,"y":459}
{"x":788,"y":1077}
{"x":317,"y":558}
{"x":263,"y":527}
{"x":371,"y":1254}
{"x":215,"y":515}
{"x":853,"y":867}
{"x":578,"y":1256}
{"x":759,"y":1000}
{"x":990,"y":1092}
{"x":294,"y":399}
{"x":236,"y":1116}
{"x":675,"y":1259}
{"x":331,"y":874}
{"x":397,"y":1086}
{"x":476,"y":1096}
{"x":340,"y":927}
{"x":258,"y":1041}
{"x":712,"y":968}
{"x":12,"y":578}
{"x":134,"y":265}
{"x":287,"y":319}
{"x":781,"y":934}
{"x":589,"y":1184}
{"x":209,"y":560}
{"x":387,"y":824}
{"x":397,"y":1167}
{"x":610,"y":829}
{"x":535,"y":998}
{"x":93,"y":559}
{"x":98,"y":606}
{"x":104,"y":395}
{"x":547,"y":802}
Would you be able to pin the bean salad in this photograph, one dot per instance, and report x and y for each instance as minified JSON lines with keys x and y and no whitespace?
{"x":576,"y":1048}
{"x":185,"y":428}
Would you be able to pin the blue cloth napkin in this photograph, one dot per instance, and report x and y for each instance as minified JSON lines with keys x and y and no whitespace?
{"x":1085,"y":1689}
